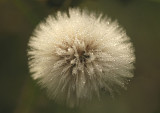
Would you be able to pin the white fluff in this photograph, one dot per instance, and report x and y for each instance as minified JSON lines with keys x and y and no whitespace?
{"x":76,"y":57}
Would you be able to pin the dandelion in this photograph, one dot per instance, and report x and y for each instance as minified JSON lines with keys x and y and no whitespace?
{"x":76,"y":56}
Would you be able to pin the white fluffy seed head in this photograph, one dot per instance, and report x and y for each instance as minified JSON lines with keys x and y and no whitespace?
{"x":74,"y":57}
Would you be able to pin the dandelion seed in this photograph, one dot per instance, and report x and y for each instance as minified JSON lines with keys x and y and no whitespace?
{"x":75,"y":57}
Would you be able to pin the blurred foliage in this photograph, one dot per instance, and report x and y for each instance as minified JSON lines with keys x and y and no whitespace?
{"x":20,"y":94}
{"x":156,"y":0}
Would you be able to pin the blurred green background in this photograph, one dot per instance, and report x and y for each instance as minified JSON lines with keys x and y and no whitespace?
{"x":20,"y":94}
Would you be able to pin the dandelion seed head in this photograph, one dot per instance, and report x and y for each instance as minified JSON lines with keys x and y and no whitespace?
{"x":74,"y":57}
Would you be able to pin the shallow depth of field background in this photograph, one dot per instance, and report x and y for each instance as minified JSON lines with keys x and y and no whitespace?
{"x":20,"y":94}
